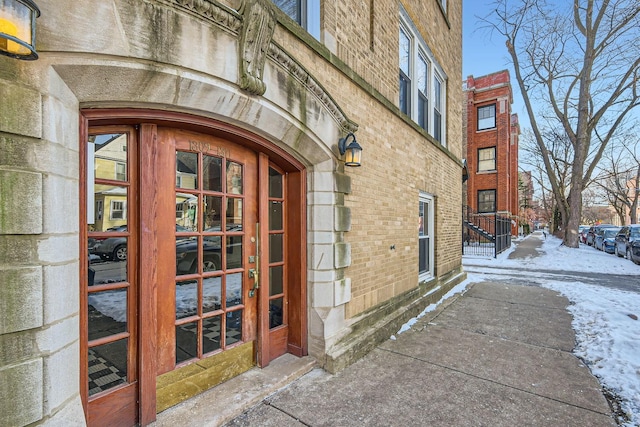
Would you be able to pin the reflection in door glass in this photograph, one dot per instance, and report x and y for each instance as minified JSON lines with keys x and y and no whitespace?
{"x":110,"y":268}
{"x":211,"y":334}
{"x":107,"y":313}
{"x":275,"y":280}
{"x":234,"y":252}
{"x":186,"y":341}
{"x":275,"y":312}
{"x":110,"y":161}
{"x":211,"y":294}
{"x":107,"y":366}
{"x":234,"y":289}
{"x":275,"y":248}
{"x":275,"y":183}
{"x":234,"y":177}
{"x":211,"y":173}
{"x":275,"y":215}
{"x":234,"y":327}
{"x":234,"y":214}
{"x":186,"y":212}
{"x":186,"y":299}
{"x":186,"y":170}
{"x":212,"y":213}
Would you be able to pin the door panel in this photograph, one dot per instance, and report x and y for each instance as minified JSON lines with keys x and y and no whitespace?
{"x":110,"y":290}
{"x":205,"y":304}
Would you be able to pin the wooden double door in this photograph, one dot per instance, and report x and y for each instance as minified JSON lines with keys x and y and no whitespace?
{"x":193,"y":247}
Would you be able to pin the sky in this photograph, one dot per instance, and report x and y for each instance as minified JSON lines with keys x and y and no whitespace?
{"x":607,"y":339}
{"x":485,"y":53}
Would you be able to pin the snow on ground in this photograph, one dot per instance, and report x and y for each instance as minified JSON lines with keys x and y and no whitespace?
{"x":608,"y":338}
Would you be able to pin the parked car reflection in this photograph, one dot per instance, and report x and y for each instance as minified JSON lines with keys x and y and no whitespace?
{"x":634,"y":254}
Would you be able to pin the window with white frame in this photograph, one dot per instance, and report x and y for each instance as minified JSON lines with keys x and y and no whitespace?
{"x":486,"y":201}
{"x":117,"y":210}
{"x":304,"y":12}
{"x":425,"y":235}
{"x":422,"y":81}
{"x":121,"y":171}
{"x":487,"y":159}
{"x":487,"y":117}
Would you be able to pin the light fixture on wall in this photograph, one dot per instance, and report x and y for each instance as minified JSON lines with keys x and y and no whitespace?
{"x":465,"y":171}
{"x":353,"y":152}
{"x":18,"y":28}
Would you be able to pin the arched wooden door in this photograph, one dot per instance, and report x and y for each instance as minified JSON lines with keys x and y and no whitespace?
{"x":190,"y":268}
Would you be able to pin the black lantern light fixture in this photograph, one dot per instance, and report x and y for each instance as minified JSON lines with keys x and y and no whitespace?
{"x":18,"y":28}
{"x":465,"y":171}
{"x":353,"y":152}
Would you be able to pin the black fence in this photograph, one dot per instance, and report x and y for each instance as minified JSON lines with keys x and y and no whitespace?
{"x":484,"y":234}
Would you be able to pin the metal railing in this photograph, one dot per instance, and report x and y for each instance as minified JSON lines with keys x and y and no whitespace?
{"x":484,"y":234}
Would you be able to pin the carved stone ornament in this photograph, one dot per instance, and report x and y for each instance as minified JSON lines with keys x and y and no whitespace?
{"x":259,"y":23}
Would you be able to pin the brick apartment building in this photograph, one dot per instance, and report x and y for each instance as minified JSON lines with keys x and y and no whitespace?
{"x":176,"y":209}
{"x":492,"y":133}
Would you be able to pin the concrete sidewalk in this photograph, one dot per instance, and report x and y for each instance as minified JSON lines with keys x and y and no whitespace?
{"x":498,"y":355}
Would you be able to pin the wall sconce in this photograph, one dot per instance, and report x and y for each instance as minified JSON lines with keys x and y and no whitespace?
{"x":353,"y":151}
{"x":18,"y":28}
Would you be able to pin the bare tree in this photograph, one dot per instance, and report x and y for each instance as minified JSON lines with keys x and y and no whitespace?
{"x":582,"y":64}
{"x":619,"y":180}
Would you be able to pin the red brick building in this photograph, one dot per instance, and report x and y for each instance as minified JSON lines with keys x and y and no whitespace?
{"x":492,"y":146}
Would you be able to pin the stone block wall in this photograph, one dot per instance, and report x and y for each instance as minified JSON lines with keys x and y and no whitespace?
{"x":39,"y":351}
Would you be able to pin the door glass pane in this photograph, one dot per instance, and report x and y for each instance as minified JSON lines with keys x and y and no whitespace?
{"x":110,"y":161}
{"x":275,"y":215}
{"x":234,"y":214}
{"x":186,"y":170}
{"x":211,"y":173}
{"x":234,"y":289}
{"x":107,"y":313}
{"x":186,"y":255}
{"x":186,"y":341}
{"x":211,"y":294}
{"x":234,"y":252}
{"x":275,"y":280}
{"x":275,"y":183}
{"x":275,"y":248}
{"x":106,"y":270}
{"x":275,"y":312}
{"x":110,"y":208}
{"x":186,"y":212}
{"x":212,"y":213}
{"x":211,"y":252}
{"x":107,"y":366}
{"x":211,"y":334}
{"x":234,"y":327}
{"x":234,"y":177}
{"x":186,"y":299}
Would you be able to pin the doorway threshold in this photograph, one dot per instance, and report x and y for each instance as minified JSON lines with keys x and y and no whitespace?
{"x":230,"y":399}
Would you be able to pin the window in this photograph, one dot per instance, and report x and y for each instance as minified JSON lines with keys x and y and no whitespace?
{"x":304,"y":12}
{"x":121,"y":171}
{"x":437,"y":110}
{"x":487,"y":117}
{"x":486,"y":201}
{"x":117,"y":210}
{"x":487,"y":159}
{"x":423,"y":92}
{"x":422,"y":81}
{"x":405,"y":65}
{"x":425,"y":233}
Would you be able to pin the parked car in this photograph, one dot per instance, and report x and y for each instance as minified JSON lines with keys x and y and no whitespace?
{"x":606,"y":239}
{"x":627,"y":235}
{"x":591,"y":234}
{"x":115,"y":248}
{"x":634,"y":254}
{"x":582,"y":233}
